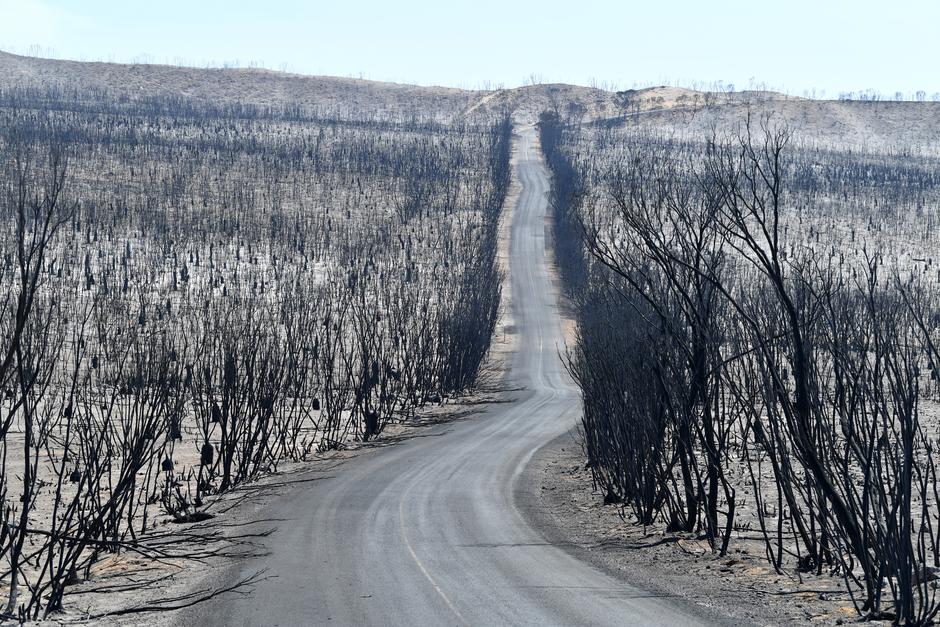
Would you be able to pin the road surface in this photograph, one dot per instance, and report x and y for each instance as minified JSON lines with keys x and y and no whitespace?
{"x":427,"y":532}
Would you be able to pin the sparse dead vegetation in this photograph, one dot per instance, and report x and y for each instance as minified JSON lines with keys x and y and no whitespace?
{"x":757,"y":321}
{"x":194,"y":293}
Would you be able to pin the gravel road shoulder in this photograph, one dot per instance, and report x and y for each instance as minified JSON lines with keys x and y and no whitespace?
{"x":556,"y":495}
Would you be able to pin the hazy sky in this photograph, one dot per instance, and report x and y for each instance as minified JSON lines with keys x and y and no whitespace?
{"x":830,"y":45}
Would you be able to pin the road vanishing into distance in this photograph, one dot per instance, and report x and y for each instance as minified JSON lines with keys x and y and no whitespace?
{"x":427,"y":531}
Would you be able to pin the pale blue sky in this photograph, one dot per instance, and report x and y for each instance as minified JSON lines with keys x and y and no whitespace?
{"x":830,"y":45}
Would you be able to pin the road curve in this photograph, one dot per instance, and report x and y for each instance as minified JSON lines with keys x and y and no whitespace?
{"x":427,"y":532}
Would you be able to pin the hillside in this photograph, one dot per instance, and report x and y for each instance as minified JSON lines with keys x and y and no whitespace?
{"x":246,"y":86}
{"x":875,"y":125}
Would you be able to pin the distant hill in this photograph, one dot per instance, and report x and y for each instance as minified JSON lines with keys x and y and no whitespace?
{"x":251,"y":86}
{"x":875,"y":125}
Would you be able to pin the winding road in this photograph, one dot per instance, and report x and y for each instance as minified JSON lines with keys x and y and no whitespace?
{"x":427,"y":532}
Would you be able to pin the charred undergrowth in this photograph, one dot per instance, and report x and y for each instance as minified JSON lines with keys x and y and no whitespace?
{"x":756,"y":346}
{"x":194,"y":293}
